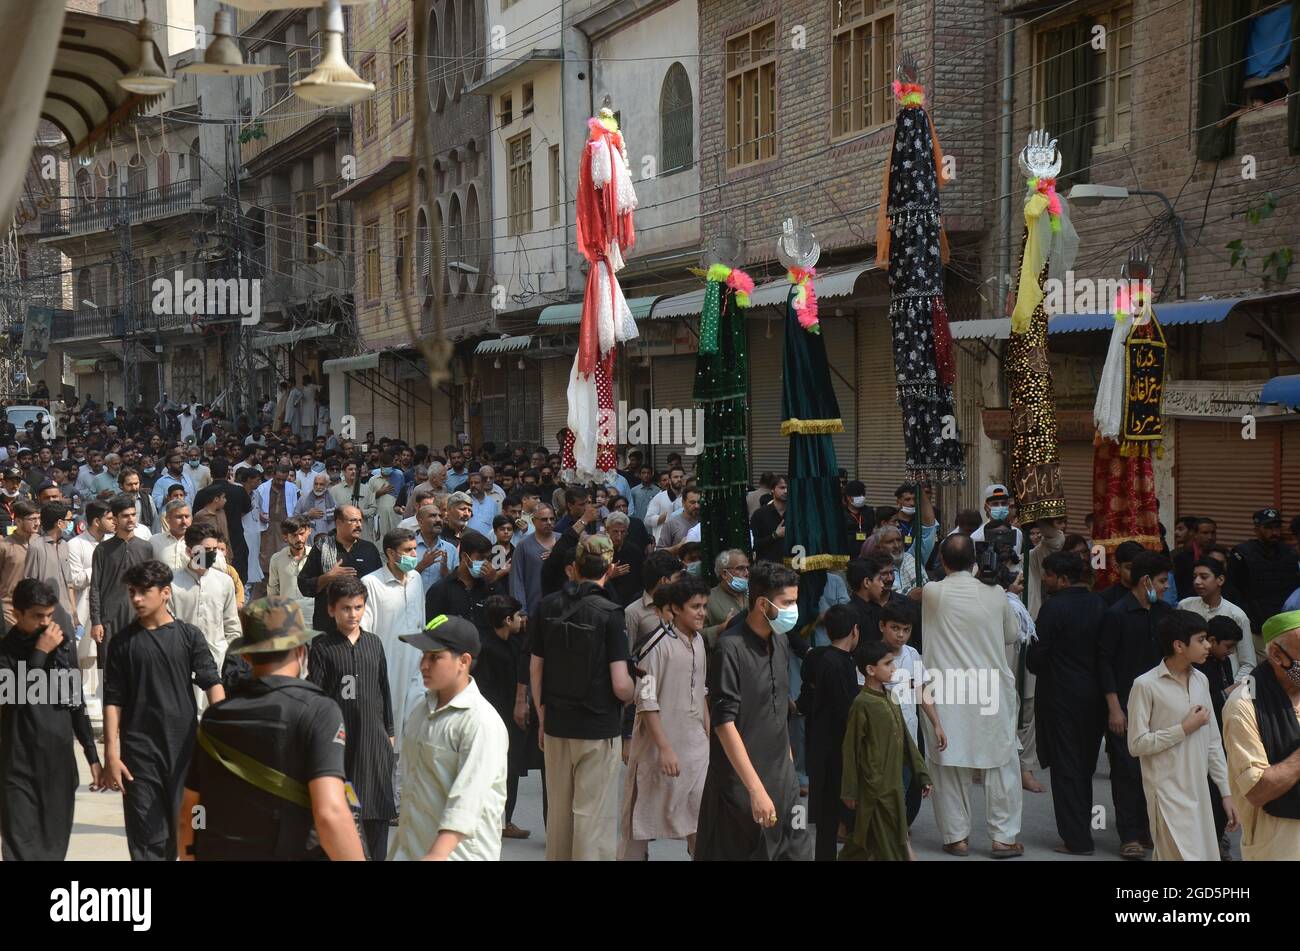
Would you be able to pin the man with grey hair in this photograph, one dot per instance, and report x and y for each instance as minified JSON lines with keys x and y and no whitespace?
{"x":457,"y":513}
{"x":729,"y":598}
{"x":169,"y":545}
{"x":490,"y":487}
{"x":419,"y":495}
{"x":624,"y":584}
{"x":104,"y":484}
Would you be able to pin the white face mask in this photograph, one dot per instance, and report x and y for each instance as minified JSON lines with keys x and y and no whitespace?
{"x":858,"y":501}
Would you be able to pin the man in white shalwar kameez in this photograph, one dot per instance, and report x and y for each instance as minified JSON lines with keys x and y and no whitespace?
{"x":1172,"y":730}
{"x":968,"y":626}
{"x":394,"y":607}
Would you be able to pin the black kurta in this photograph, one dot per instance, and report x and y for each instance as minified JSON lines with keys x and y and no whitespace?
{"x":496,"y":671}
{"x":1069,"y":706}
{"x":367,"y":707}
{"x":38,"y":766}
{"x":830,"y":685}
{"x":110,"y":602}
{"x":749,"y":685}
{"x":150,"y":676}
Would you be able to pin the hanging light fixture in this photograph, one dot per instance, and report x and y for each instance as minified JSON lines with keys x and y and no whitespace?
{"x":222,"y":57}
{"x":333,"y":82}
{"x":148,"y":78}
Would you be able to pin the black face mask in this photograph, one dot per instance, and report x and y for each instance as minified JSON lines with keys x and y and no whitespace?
{"x":209,"y":557}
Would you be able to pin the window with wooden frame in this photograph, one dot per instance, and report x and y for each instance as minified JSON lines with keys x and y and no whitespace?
{"x":306,"y":212}
{"x":1267,"y":68}
{"x":519,"y":197}
{"x":1113,"y":116}
{"x":369,"y":111}
{"x":557,"y":186}
{"x":399,"y":72}
{"x":751,"y":95}
{"x":862,"y":65}
{"x":505,"y":111}
{"x":373,"y":279}
{"x":325,"y":232}
{"x":300,"y":64}
{"x":402,"y":270}
{"x":526,"y":100}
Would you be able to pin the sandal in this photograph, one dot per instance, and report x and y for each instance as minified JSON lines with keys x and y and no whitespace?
{"x":1012,"y":851}
{"x":1132,"y":851}
{"x":960,"y":849}
{"x":1066,"y":850}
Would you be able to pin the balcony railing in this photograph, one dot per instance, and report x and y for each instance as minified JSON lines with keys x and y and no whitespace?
{"x":284,"y":119}
{"x":86,"y":323}
{"x":148,"y":205}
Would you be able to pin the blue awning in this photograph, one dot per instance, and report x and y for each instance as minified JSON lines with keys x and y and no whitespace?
{"x":1282,"y":390}
{"x":1169,"y":315}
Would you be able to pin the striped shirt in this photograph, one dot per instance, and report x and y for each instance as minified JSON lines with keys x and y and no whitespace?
{"x":355,"y":676}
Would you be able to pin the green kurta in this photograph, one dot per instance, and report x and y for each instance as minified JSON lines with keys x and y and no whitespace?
{"x":877,"y":745}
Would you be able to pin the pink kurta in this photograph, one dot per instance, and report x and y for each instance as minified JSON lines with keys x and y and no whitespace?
{"x":656,"y":806}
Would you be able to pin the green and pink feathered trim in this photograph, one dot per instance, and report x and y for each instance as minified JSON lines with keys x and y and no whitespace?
{"x":736,"y":279}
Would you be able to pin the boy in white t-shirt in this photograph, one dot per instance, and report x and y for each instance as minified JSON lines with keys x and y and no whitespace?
{"x":908,"y":684}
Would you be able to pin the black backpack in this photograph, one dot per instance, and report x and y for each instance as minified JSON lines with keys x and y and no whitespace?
{"x":576,"y":675}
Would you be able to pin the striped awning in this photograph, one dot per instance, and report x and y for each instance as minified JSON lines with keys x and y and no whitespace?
{"x":504,"y":344}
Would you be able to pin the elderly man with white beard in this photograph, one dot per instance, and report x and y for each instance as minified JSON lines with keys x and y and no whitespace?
{"x":968,"y":627}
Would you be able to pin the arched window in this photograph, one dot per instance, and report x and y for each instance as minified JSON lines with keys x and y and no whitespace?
{"x":676,"y":121}
{"x":455,"y":253}
{"x":436,"y":66}
{"x":451,"y":51}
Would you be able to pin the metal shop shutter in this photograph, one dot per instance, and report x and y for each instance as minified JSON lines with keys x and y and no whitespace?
{"x":555,"y":399}
{"x":1076,"y":480}
{"x":1220,"y":475}
{"x":880,"y":428}
{"x":1290,"y":473}
{"x":672,"y":383}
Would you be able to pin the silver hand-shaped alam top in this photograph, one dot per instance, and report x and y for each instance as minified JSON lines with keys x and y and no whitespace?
{"x":722,"y":249}
{"x":907,"y":71}
{"x":1138,"y":266}
{"x":1040,"y":159}
{"x":797,"y":246}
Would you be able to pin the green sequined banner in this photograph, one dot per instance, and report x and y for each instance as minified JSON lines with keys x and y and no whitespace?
{"x":722,"y":392}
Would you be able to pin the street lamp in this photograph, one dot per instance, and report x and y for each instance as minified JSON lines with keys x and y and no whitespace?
{"x":1088,"y":196}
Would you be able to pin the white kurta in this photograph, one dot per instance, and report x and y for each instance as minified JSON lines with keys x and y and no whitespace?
{"x":968,"y":626}
{"x":386,"y":515}
{"x":252,"y":526}
{"x":394,"y":608}
{"x":1175,"y":764}
{"x":170,"y":551}
{"x":208,"y":602}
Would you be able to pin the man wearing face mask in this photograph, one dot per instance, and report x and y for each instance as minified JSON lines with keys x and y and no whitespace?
{"x":997,"y":506}
{"x":10,"y":492}
{"x":47,"y":559}
{"x":729,"y":598}
{"x":199,"y":474}
{"x":1127,"y":649}
{"x":385,"y":485}
{"x":747,"y":812}
{"x":464,"y":592}
{"x":1260,"y":733}
{"x":859,"y":517}
{"x":206,"y":598}
{"x":395,"y":606}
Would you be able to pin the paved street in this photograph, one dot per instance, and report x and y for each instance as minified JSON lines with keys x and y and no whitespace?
{"x":98,"y":833}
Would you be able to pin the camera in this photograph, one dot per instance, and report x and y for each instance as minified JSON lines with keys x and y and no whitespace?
{"x":996,"y":556}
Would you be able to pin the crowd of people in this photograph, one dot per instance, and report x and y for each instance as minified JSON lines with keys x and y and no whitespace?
{"x":356,"y":648}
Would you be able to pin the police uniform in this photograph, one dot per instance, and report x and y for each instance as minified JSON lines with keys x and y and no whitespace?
{"x":270,"y":733}
{"x":1265,"y":578}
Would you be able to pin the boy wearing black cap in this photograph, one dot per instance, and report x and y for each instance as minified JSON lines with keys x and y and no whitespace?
{"x":454,"y":788}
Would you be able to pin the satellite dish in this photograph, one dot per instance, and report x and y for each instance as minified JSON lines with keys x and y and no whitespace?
{"x":798,"y":246}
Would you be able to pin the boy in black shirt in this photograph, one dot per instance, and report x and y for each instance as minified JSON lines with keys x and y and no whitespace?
{"x":150,"y":715}
{"x":830,"y":682}
{"x":496,"y":671}
{"x":1224,"y":635}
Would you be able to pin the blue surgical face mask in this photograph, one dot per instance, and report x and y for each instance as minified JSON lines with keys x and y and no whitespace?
{"x":386,"y":470}
{"x":694,"y":567}
{"x":785,"y":619}
{"x":476,"y":567}
{"x":1151,"y":595}
{"x":194,"y":463}
{"x":738,"y":584}
{"x":999,"y":512}
{"x":408,"y":562}
{"x":69,"y":530}
{"x":318,"y":467}
{"x":150,"y":471}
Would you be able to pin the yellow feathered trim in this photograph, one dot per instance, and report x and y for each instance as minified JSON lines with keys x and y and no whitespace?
{"x":819,"y":563}
{"x":718,"y":272}
{"x":812,"y":427}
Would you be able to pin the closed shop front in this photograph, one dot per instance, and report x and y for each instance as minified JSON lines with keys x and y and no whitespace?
{"x":881,"y":450}
{"x":769,"y":450}
{"x":1076,"y":480}
{"x":672,"y":409}
{"x":555,"y":399}
{"x":1221,"y":475}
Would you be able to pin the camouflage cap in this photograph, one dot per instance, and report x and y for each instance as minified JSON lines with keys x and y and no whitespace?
{"x":598,"y":545}
{"x":457,"y":498}
{"x":271,"y":624}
